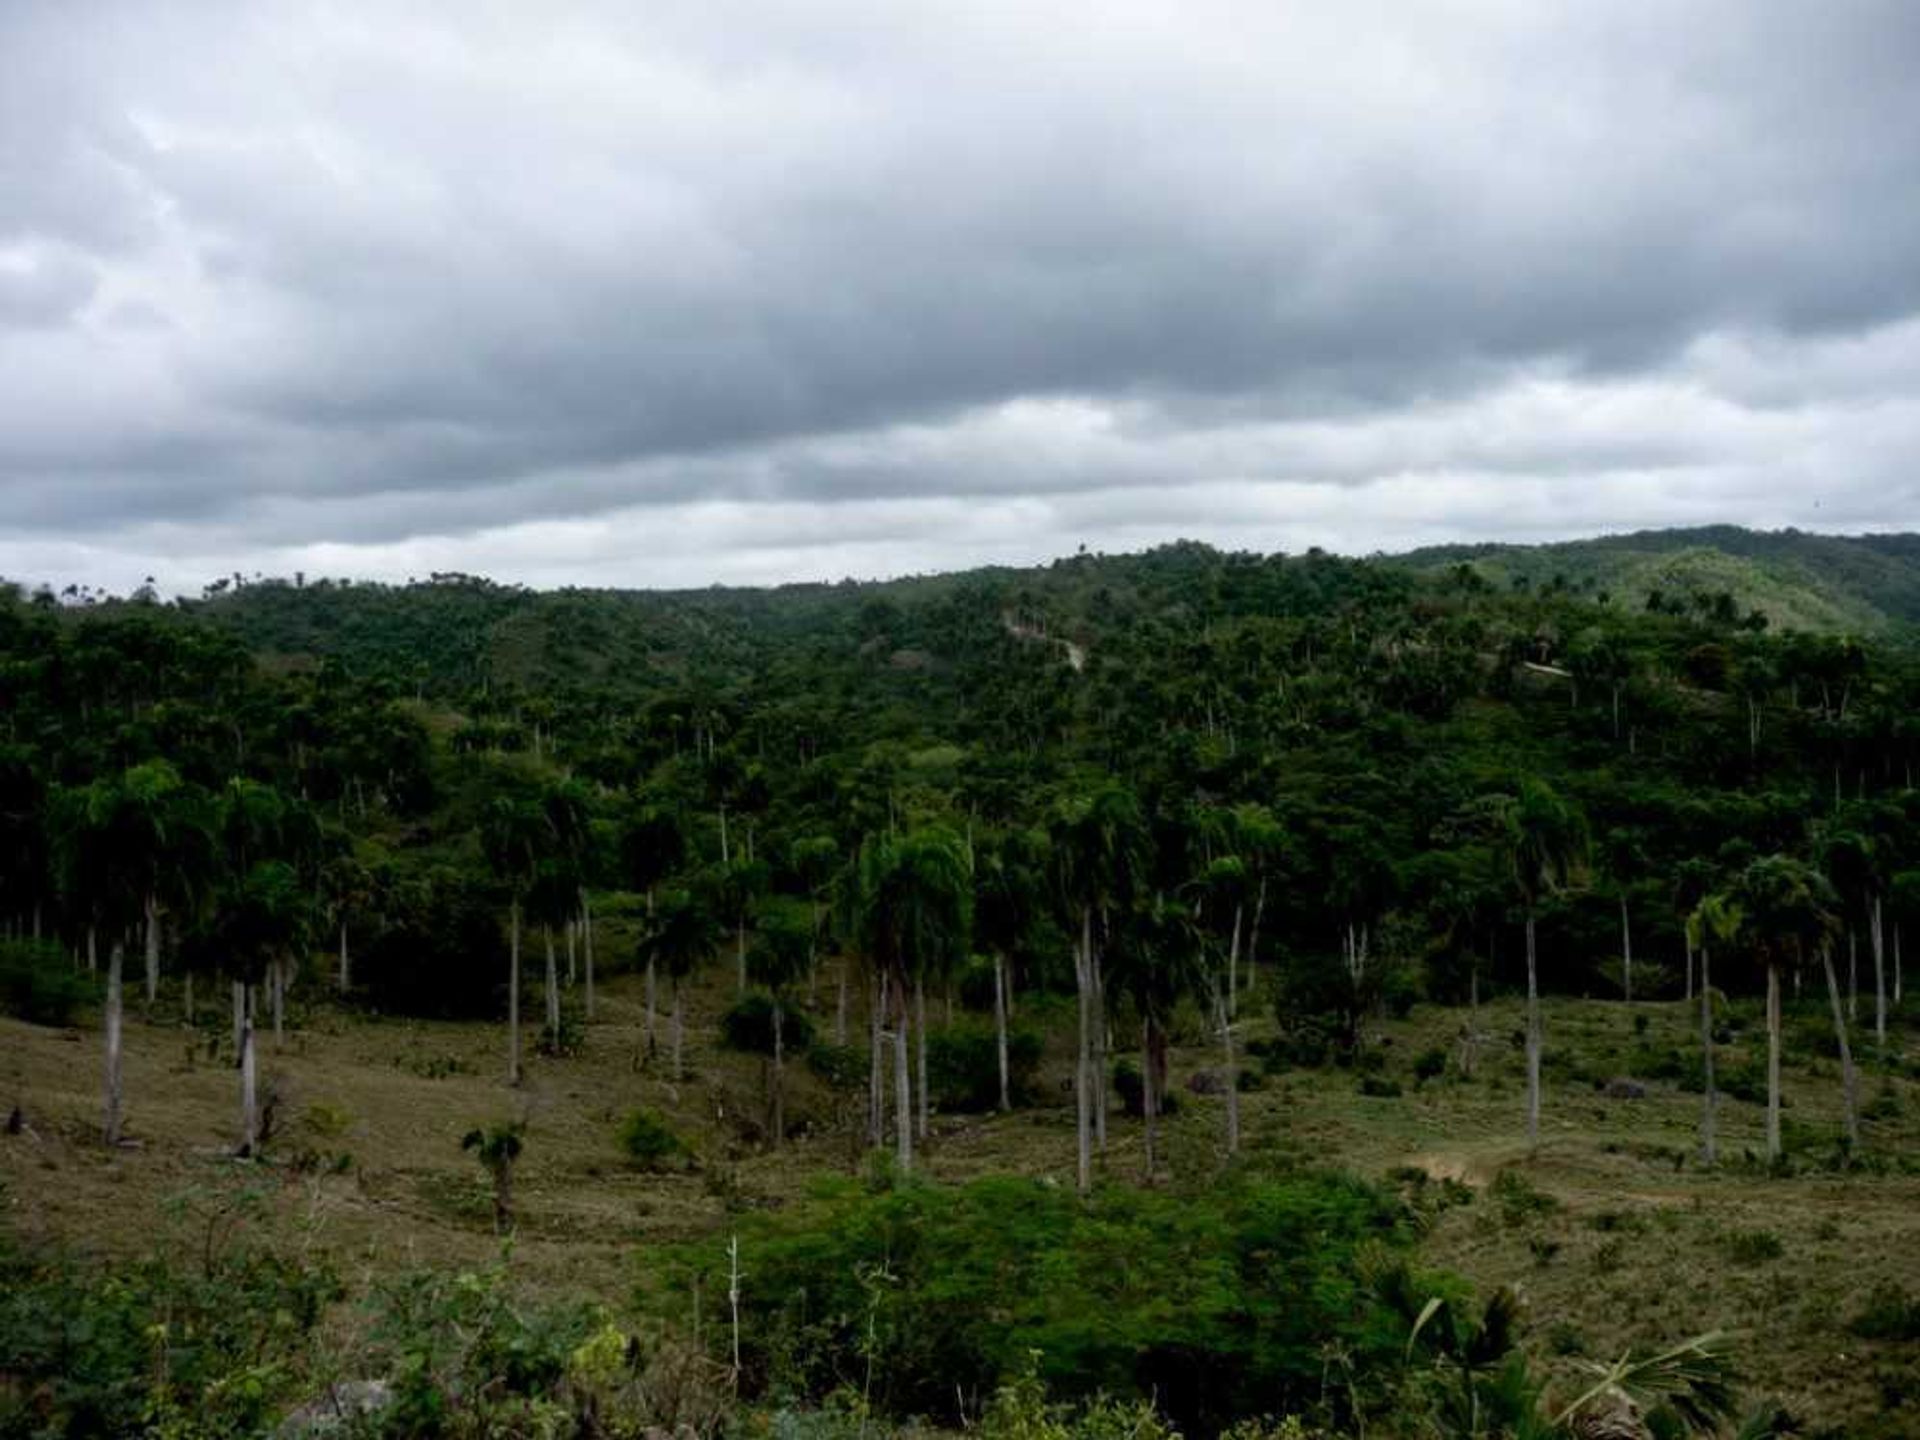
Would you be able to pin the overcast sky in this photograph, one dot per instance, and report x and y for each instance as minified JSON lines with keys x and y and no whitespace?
{"x":666,"y":294}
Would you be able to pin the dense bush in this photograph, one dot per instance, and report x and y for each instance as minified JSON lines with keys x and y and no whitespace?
{"x":1220,"y":1303}
{"x":440,"y":952}
{"x":38,"y":983}
{"x":648,"y":1141}
{"x":747,"y":1026}
{"x":1132,"y":1089}
{"x":963,"y":1064}
{"x":1888,"y":1314}
{"x":146,"y":1347}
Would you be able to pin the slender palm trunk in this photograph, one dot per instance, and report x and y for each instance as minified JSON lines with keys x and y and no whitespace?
{"x":586,"y":936}
{"x":1232,"y":1083}
{"x":1773,"y":1061}
{"x":513,"y":995}
{"x":740,"y":955}
{"x":573,"y":953}
{"x":679,"y":1033}
{"x":902,"y":1082}
{"x":239,"y":1019}
{"x":921,"y":1127}
{"x":277,"y":989}
{"x":346,"y":964}
{"x":1688,"y":939}
{"x":1253,"y":934}
{"x":1853,"y":975}
{"x":1100,"y":1047}
{"x":1233,"y":965}
{"x":876,"y":1067}
{"x":1534,"y":1037}
{"x":93,"y":950}
{"x":1709,"y":1143}
{"x":1626,"y":950}
{"x":186,"y":1000}
{"x":1083,"y":1059}
{"x":1849,"y":1081}
{"x":249,"y":1079}
{"x":1149,"y":1102}
{"x":1877,"y":932}
{"x":779,"y":1079}
{"x":553,"y":992}
{"x":115,"y":1096}
{"x":1000,"y":1027}
{"x":651,"y":991}
{"x":840,"y":1006}
{"x":153,"y":950}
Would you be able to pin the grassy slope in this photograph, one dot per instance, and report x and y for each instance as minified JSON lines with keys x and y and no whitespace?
{"x":1637,"y":1252}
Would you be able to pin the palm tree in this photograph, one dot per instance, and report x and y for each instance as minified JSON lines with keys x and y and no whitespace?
{"x":916,"y":918}
{"x":1008,"y":897}
{"x":1156,"y":964}
{"x":1784,"y":908}
{"x":512,"y":833}
{"x":1546,"y":850}
{"x":260,"y":921}
{"x":652,"y":847}
{"x":1099,"y":846}
{"x":681,"y":935}
{"x":783,"y":943}
{"x":120,"y":841}
{"x":1715,"y":920}
{"x":497,"y":1148}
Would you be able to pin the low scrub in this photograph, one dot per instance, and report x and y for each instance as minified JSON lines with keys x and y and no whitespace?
{"x":38,"y":983}
{"x":1218,"y":1304}
{"x":963,"y":1064}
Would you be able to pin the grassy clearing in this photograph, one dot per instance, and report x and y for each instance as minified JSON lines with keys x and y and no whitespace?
{"x":1613,"y":1231}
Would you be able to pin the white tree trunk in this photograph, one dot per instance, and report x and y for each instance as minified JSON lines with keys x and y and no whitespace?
{"x":1878,"y":934}
{"x":679,"y":1033}
{"x":650,"y":1005}
{"x":1534,"y":1038}
{"x":153,"y":950}
{"x":1773,"y":1061}
{"x":1688,"y":940}
{"x":902,"y":1084}
{"x":586,"y":935}
{"x":1709,"y":1141}
{"x":1083,"y":1060}
{"x":249,"y":1103}
{"x":513,"y":995}
{"x":115,"y":1096}
{"x":346,"y":964}
{"x":239,"y":1019}
{"x":553,"y":992}
{"x":1000,"y":1027}
{"x":921,"y":1127}
{"x":1849,"y":1084}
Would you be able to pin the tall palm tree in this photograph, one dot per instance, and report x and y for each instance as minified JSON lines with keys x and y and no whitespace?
{"x":782,"y":946}
{"x":652,"y":846}
{"x":1546,"y":844}
{"x":681,"y":935}
{"x":1099,"y":846}
{"x":1009,"y":895}
{"x":1156,"y":964}
{"x":1785,"y":909}
{"x":512,"y":835}
{"x":1715,"y":921}
{"x":262,"y":918}
{"x":916,"y":918}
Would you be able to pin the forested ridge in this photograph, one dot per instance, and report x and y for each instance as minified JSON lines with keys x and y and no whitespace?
{"x":1099,"y":805}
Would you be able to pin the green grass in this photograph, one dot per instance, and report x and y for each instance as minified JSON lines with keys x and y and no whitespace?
{"x":1615,"y":1233}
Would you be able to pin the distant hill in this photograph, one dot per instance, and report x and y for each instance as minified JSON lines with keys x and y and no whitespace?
{"x":1800,"y":581}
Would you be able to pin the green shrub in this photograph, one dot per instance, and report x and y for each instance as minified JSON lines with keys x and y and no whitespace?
{"x":844,"y":1067}
{"x":38,"y":983}
{"x":1753,"y":1247}
{"x":748,"y":1026}
{"x":1430,"y":1064}
{"x":963,"y":1066}
{"x":1889,"y":1314}
{"x":648,"y":1141}
{"x":1133,"y":1090}
{"x":149,"y":1349}
{"x":1519,"y":1199}
{"x":1378,"y":1087}
{"x":1219,"y":1302}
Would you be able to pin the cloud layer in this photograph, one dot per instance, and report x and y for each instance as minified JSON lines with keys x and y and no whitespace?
{"x":673,"y":293}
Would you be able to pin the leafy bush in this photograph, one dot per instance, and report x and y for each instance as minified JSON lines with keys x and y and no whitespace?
{"x":1753,"y":1247}
{"x":747,"y":1026}
{"x":38,"y":983}
{"x":1889,"y":1314}
{"x":1378,"y":1087}
{"x":146,"y":1347}
{"x":1221,"y":1303}
{"x":844,"y":1067}
{"x":649,"y":1141}
{"x":963,"y":1066}
{"x":1430,"y":1064}
{"x":1519,"y":1199}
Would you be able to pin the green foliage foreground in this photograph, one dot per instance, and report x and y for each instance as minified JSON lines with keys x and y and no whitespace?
{"x":1251,"y":1298}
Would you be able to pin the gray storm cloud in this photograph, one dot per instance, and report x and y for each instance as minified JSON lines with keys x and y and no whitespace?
{"x":675,"y":293}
